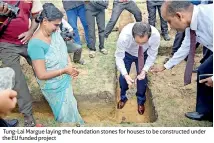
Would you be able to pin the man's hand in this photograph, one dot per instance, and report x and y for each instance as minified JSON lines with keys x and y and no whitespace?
{"x":7,"y":101}
{"x":4,"y":9}
{"x":25,"y":37}
{"x":142,"y":75}
{"x":208,"y":81}
{"x":157,"y":69}
{"x":129,"y":80}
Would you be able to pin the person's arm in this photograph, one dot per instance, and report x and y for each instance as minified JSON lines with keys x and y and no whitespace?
{"x":36,"y":9}
{"x":37,"y":55}
{"x":8,"y":101}
{"x":178,"y":57}
{"x":69,"y":60}
{"x":152,"y":52}
{"x":122,"y":43}
{"x":208,"y":81}
{"x":182,"y":52}
{"x":43,"y":74}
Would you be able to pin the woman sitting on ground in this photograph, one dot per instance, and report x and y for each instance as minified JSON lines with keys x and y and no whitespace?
{"x":52,"y":66}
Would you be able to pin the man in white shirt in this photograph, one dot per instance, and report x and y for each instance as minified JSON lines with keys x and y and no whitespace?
{"x":197,"y":21}
{"x":138,"y":42}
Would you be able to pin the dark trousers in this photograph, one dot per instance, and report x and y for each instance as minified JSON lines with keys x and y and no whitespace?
{"x":141,"y":84}
{"x":10,"y":57}
{"x":72,"y":15}
{"x":91,"y":14}
{"x":76,"y":49}
{"x":151,"y":7}
{"x":118,"y":8}
{"x":204,"y":102}
{"x":179,"y":37}
{"x":3,"y":123}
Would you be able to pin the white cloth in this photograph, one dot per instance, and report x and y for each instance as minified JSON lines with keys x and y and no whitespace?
{"x":65,"y":24}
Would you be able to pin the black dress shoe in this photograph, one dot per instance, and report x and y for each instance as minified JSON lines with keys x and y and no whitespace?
{"x":198,"y":116}
{"x":3,"y":123}
{"x":12,"y":123}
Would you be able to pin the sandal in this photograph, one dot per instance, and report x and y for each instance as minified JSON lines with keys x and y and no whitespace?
{"x":81,"y":62}
{"x":92,"y":54}
{"x":29,"y":121}
{"x":104,"y":51}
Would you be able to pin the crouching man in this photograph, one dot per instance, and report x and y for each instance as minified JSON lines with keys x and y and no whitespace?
{"x":138,"y":42}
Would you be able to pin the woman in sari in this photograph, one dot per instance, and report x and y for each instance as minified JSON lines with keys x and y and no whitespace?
{"x":52,"y":66}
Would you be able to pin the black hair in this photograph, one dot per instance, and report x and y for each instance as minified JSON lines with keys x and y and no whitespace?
{"x":177,"y":6}
{"x":50,"y":12}
{"x":141,"y":29}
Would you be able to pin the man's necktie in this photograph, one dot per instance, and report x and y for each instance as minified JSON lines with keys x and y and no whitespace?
{"x":190,"y":61}
{"x":140,"y":59}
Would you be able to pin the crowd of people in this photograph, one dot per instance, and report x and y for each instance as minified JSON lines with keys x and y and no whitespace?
{"x":46,"y":41}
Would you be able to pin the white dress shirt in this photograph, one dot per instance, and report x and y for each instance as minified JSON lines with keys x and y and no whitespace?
{"x":202,"y":23}
{"x":126,"y":43}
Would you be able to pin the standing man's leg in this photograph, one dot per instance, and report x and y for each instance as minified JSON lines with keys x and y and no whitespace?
{"x":9,"y":55}
{"x":164,"y":26}
{"x":204,"y":103}
{"x":152,"y":13}
{"x":206,"y":54}
{"x":100,"y":18}
{"x":72,"y":20}
{"x":77,"y":50}
{"x":82,"y":16}
{"x":179,"y":37}
{"x":117,"y":10}
{"x":90,"y":17}
{"x":128,"y":60}
{"x":134,"y":9}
